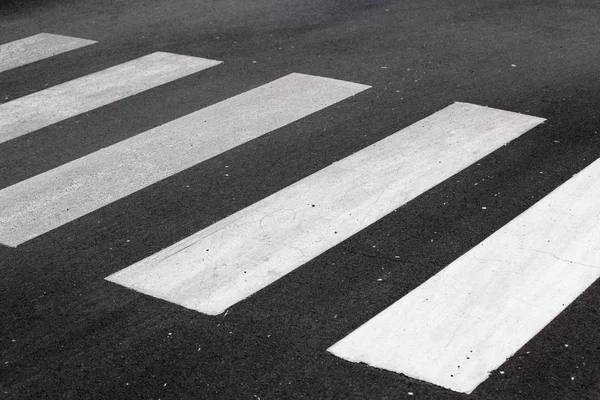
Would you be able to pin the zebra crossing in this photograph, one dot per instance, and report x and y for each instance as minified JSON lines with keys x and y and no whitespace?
{"x":51,"y":199}
{"x":451,"y":331}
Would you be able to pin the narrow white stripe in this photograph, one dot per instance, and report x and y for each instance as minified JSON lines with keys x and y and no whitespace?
{"x":52,"y":105}
{"x":477,"y":312}
{"x":232,"y":259}
{"x":49,"y":200}
{"x":37,"y":47}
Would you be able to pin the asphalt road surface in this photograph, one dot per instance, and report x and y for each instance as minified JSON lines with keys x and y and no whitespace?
{"x":177,"y":225}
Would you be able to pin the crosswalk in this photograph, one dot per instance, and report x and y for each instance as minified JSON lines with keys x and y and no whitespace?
{"x":451,"y":331}
{"x":56,"y":197}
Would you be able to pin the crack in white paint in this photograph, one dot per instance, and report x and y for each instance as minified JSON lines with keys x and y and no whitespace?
{"x":560,"y":259}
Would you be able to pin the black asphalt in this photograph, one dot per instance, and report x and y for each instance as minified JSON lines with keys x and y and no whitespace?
{"x":66,"y":333}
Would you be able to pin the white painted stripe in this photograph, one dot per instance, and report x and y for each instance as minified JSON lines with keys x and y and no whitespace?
{"x":36,"y":48}
{"x":477,"y":312}
{"x":49,"y":200}
{"x":239,"y":255}
{"x":52,"y":105}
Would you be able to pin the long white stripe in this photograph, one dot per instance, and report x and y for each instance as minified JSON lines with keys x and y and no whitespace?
{"x":49,"y":200}
{"x":37,"y":47}
{"x":232,"y":259}
{"x":52,"y":105}
{"x":477,"y":312}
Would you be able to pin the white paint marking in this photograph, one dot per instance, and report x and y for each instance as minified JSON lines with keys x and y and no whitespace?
{"x":55,"y":104}
{"x":243,"y":253}
{"x":49,"y":200}
{"x":468,"y":319}
{"x":37,"y":47}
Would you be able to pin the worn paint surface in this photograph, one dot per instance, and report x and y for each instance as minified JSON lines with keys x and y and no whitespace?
{"x":55,"y":104}
{"x":465,"y":321}
{"x":37,"y":47}
{"x":232,"y":259}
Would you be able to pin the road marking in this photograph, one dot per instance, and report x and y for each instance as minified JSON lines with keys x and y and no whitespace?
{"x":477,"y":312}
{"x":56,"y":197}
{"x":243,"y":253}
{"x":52,"y":105}
{"x":37,"y":47}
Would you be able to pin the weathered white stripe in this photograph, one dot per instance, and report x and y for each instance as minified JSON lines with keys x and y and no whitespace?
{"x":37,"y":47}
{"x":477,"y":312}
{"x":52,"y":105}
{"x":232,"y":259}
{"x":49,"y":200}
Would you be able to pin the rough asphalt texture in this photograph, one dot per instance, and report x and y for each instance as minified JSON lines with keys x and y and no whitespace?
{"x":67,"y":333}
